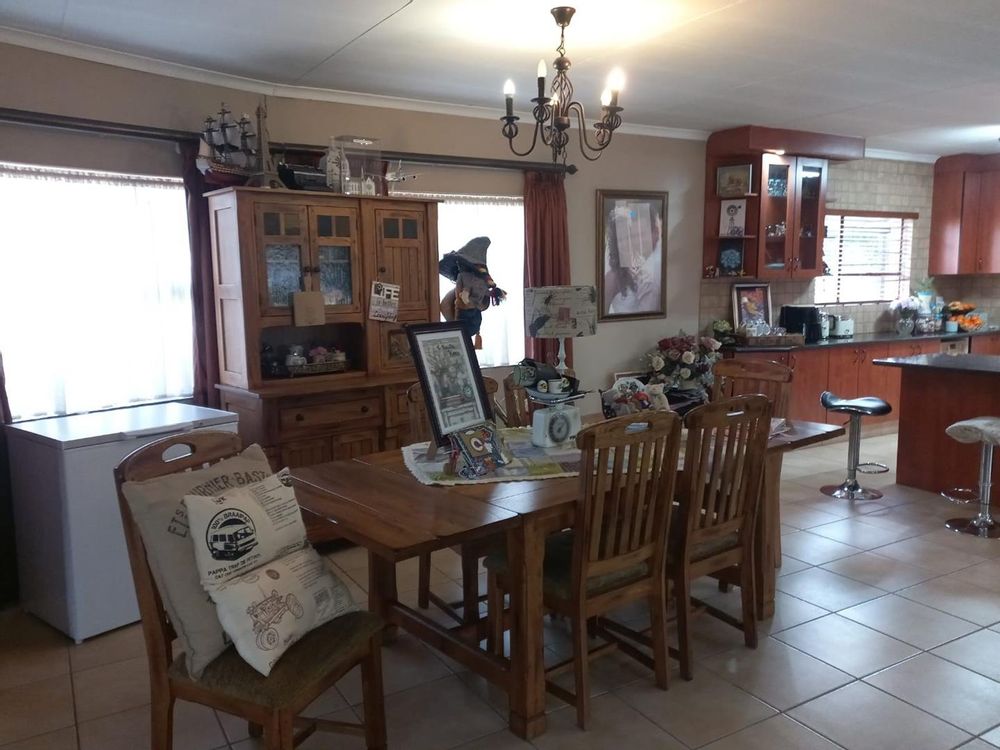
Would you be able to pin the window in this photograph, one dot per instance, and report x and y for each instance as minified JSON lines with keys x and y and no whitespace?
{"x":868,"y":255}
{"x":462,"y":217}
{"x":95,"y":290}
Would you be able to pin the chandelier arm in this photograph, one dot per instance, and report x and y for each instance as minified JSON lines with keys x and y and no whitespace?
{"x":585,"y":145}
{"x":534,"y":142}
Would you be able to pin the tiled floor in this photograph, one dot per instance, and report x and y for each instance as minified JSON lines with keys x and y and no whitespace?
{"x":886,"y":637}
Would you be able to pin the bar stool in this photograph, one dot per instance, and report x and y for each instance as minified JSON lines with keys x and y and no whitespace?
{"x":985,"y":430}
{"x":867,"y":406}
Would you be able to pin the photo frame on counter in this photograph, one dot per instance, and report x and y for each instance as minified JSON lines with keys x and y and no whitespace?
{"x":751,"y":304}
{"x":631,"y":254}
{"x":450,"y":377}
{"x":734,"y":180}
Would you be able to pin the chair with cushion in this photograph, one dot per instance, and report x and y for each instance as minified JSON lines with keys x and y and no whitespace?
{"x":616,"y":552}
{"x":420,"y":429}
{"x":986,"y":432}
{"x":856,"y":408}
{"x":718,"y":494}
{"x":271,"y":704}
{"x":744,"y":377}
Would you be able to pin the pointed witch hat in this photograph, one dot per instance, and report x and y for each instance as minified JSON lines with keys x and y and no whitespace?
{"x":471,"y":257}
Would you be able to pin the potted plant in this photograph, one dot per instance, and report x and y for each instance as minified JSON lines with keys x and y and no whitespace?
{"x":683,"y":362}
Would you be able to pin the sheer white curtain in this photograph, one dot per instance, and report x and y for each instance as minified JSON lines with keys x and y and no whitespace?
{"x":462,"y":217}
{"x":95,"y":290}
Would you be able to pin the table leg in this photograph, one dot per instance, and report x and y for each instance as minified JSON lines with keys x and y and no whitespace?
{"x":766,"y":536}
{"x":526,"y":552}
{"x":382,"y":591}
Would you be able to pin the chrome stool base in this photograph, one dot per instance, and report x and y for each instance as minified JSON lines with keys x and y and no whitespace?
{"x":975,"y":527}
{"x":872,"y":467}
{"x":983,"y":525}
{"x":850,"y":490}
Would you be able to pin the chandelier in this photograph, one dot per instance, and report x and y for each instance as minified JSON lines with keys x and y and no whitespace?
{"x":553,"y":114}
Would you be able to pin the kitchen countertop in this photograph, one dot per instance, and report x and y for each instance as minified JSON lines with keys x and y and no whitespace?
{"x":980,"y":363}
{"x":867,"y":338}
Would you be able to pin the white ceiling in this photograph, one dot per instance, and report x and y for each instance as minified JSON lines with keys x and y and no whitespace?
{"x":916,"y":76}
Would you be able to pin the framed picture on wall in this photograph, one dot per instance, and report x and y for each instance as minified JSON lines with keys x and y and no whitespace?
{"x":733,"y":181}
{"x":631,"y":255}
{"x":450,"y":378}
{"x":751,"y":304}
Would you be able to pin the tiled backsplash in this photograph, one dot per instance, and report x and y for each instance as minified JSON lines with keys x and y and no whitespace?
{"x":871,"y":185}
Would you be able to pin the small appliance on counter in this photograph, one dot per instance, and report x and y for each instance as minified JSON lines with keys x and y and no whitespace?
{"x":841,"y":327}
{"x":804,"y":319}
{"x":825,"y":322}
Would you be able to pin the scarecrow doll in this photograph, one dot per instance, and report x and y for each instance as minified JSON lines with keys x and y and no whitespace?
{"x":474,"y":290}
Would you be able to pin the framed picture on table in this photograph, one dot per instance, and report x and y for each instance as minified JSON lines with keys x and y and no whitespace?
{"x":450,"y":378}
{"x":751,"y":304}
{"x":631,"y":255}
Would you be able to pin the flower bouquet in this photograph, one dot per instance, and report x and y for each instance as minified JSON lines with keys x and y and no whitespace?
{"x":683,"y":361}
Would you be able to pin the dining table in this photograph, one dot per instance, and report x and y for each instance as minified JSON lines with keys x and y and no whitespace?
{"x":378,"y":504}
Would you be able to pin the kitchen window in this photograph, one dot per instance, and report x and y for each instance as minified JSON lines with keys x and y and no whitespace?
{"x":867,"y":254}
{"x":95,"y":300}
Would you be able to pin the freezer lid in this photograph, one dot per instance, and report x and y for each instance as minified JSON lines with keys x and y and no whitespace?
{"x":131,"y":423}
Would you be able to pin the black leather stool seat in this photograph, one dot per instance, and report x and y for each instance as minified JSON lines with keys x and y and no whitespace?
{"x":870,"y":406}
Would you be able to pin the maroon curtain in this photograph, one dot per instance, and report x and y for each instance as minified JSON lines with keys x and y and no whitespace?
{"x":546,"y":248}
{"x":206,"y":358}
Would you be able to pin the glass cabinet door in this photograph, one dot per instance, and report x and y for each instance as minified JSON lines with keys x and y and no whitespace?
{"x":281,"y":237}
{"x":335,"y":268}
{"x":810,"y":179}
{"x":777,"y":195}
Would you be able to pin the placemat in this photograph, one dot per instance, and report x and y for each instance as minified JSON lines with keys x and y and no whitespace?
{"x":530,"y":462}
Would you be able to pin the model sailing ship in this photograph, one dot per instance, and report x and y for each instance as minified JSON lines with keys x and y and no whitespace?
{"x":234,"y":148}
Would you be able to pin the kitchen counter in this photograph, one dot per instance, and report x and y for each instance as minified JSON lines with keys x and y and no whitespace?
{"x":980,"y":363}
{"x":867,"y":338}
{"x":937,"y":390}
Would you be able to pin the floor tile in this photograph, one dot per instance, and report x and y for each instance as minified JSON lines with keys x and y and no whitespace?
{"x":790,"y":565}
{"x":825,"y":589}
{"x":810,"y":548}
{"x":993,"y":737}
{"x":790,"y":611}
{"x":111,"y":688}
{"x":909,"y":621}
{"x":859,"y":717}
{"x":502,"y":740}
{"x":406,"y":662}
{"x":195,"y":728}
{"x":879,"y":571}
{"x":30,"y":650}
{"x":35,"y":708}
{"x":777,"y":673}
{"x":924,"y":553}
{"x":319,"y":740}
{"x":62,"y":739}
{"x":696,"y":712}
{"x":977,"y":744}
{"x":804,"y":517}
{"x":613,"y":723}
{"x":979,"y":652}
{"x":965,"y":600}
{"x":776,"y":733}
{"x":986,"y":548}
{"x":118,"y":645}
{"x":857,"y":533}
{"x":986,"y":575}
{"x":846,"y":645}
{"x":953,"y":693}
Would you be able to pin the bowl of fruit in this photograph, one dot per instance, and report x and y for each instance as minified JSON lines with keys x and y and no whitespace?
{"x":963,"y":314}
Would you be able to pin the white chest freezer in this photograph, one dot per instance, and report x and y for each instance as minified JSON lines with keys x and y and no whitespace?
{"x":71,"y":555}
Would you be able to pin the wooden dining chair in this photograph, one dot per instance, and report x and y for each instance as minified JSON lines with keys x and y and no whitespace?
{"x":616,"y":552}
{"x":744,"y":377}
{"x":516,"y":403}
{"x":718,"y":495}
{"x":270,"y":704}
{"x":470,"y":553}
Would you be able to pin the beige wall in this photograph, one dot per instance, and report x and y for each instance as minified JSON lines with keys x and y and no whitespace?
{"x":61,"y":85}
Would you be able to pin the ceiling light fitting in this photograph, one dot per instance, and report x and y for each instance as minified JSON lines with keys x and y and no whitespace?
{"x":553,"y":114}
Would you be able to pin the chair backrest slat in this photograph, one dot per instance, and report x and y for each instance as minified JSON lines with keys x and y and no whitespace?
{"x":627,"y":481}
{"x":722,"y":478}
{"x":744,"y":377}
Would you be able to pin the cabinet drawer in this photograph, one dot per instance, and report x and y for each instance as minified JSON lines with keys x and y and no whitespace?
{"x":329,"y":415}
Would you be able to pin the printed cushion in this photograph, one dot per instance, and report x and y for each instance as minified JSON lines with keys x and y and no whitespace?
{"x":163,"y":525}
{"x":244,"y":528}
{"x":268,"y":609}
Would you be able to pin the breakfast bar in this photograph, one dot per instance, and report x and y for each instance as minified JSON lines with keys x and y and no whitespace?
{"x":938,"y":390}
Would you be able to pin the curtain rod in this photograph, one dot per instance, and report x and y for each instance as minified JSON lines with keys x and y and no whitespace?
{"x":145,"y":132}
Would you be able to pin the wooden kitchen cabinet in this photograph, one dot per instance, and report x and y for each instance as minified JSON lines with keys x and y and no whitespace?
{"x":780,"y":356}
{"x":987,"y":343}
{"x":965,"y":215}
{"x":810,"y":370}
{"x":269,"y":244}
{"x":852,"y":375}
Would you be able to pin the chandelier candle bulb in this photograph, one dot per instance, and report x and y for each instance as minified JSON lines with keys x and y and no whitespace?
{"x":616,"y":82}
{"x":606,"y":97}
{"x":508,"y":94}
{"x":541,"y":79}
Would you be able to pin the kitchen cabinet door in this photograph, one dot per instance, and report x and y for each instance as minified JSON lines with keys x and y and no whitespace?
{"x":780,"y":357}
{"x":987,"y":258}
{"x":777,"y":217}
{"x":843,"y":377}
{"x":985,"y":344}
{"x":874,"y":380}
{"x":810,"y":215}
{"x":810,"y":369}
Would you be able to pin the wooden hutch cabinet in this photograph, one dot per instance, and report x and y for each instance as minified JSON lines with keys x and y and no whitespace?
{"x":785,"y":206}
{"x":965,"y":215}
{"x":269,"y":244}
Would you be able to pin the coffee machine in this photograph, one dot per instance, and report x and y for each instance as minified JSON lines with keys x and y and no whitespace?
{"x":804,"y":319}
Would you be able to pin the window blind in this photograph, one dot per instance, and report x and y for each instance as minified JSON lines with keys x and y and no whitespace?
{"x":868,"y":258}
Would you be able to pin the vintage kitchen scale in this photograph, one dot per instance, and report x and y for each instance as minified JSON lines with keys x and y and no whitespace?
{"x":558,"y":420}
